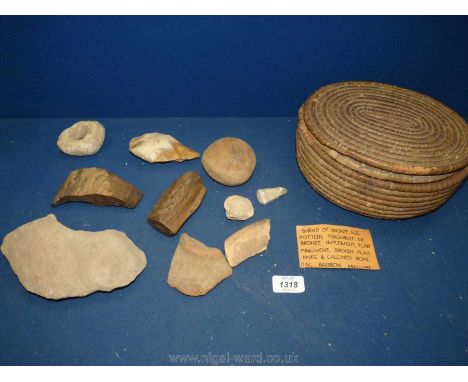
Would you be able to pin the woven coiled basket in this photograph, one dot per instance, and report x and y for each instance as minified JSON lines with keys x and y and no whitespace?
{"x":381,"y":150}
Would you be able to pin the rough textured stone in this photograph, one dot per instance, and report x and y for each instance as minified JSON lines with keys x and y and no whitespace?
{"x":267,"y":195}
{"x":180,"y":200}
{"x":56,"y":262}
{"x":238,"y":208}
{"x":157,"y":147}
{"x":229,"y":161}
{"x":247,"y":242}
{"x":82,"y":138}
{"x":195,"y":268}
{"x":97,"y":186}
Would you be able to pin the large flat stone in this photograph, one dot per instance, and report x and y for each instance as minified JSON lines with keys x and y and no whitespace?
{"x":56,"y":262}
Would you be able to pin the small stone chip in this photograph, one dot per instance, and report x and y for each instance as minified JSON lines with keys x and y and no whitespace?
{"x":267,"y":195}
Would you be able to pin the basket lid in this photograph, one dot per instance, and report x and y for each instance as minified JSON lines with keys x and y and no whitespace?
{"x":388,"y":127}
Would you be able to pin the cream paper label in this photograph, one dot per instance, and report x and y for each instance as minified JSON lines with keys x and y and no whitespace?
{"x":334,"y":246}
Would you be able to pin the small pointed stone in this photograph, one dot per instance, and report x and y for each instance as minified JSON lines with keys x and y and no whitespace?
{"x":195,"y":268}
{"x":82,"y":138}
{"x":56,"y":262}
{"x":238,"y":208}
{"x":267,"y":195}
{"x":247,"y":242}
{"x":178,"y":202}
{"x":97,"y":186}
{"x":157,"y":147}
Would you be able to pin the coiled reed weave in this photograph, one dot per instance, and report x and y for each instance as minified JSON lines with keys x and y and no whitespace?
{"x":381,"y":150}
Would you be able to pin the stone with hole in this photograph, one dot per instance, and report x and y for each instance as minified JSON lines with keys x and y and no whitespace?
{"x":83,"y":138}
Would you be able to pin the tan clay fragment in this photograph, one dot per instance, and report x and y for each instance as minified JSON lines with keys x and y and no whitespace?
{"x":247,"y":242}
{"x":195,"y":268}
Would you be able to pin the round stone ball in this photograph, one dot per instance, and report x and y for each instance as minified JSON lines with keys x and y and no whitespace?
{"x":229,"y":161}
{"x":83,"y":138}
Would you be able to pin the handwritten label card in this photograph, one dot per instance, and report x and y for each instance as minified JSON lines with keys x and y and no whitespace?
{"x":333,"y":246}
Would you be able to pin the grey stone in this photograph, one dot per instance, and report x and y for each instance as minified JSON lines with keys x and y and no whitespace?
{"x":82,"y":138}
{"x":56,"y":262}
{"x":238,"y":208}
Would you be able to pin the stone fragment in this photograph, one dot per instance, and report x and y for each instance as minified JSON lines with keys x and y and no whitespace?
{"x":195,"y":268}
{"x":82,"y":138}
{"x":247,"y":242}
{"x":56,"y":262}
{"x":267,"y":195}
{"x":229,"y":161}
{"x":238,"y":208}
{"x":157,"y":147}
{"x":97,"y":186}
{"x":178,"y":202}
